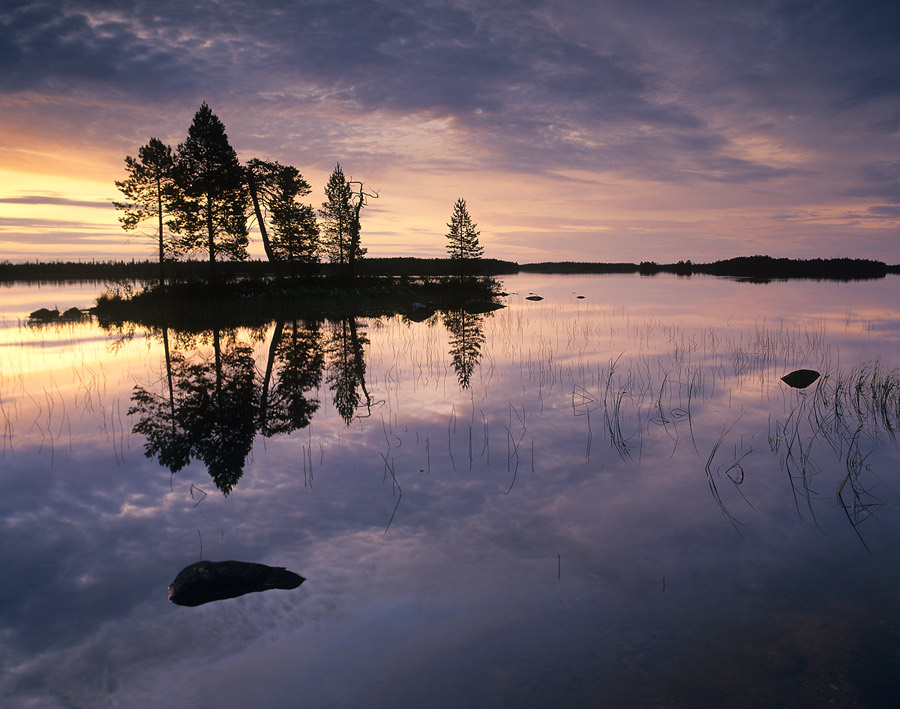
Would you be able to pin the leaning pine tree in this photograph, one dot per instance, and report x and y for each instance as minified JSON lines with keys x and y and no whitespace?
{"x":275,"y":190}
{"x":462,"y":239}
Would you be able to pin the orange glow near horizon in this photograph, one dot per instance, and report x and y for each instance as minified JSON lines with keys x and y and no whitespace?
{"x":56,"y":205}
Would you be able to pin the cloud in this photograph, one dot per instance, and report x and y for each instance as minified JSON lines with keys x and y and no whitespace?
{"x":512,"y":77}
{"x":891,"y":210}
{"x":49,"y":200}
{"x":796,"y":102}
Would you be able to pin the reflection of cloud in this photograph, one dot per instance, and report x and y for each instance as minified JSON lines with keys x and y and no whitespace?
{"x":479,"y":588}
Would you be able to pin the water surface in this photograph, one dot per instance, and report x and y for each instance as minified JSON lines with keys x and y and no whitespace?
{"x":609,"y":499}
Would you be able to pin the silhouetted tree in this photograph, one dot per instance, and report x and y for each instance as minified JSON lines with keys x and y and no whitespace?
{"x":337,"y":218}
{"x":462,"y":239}
{"x":355,"y":250}
{"x":277,"y":189}
{"x":212,"y":206}
{"x":148,"y":191}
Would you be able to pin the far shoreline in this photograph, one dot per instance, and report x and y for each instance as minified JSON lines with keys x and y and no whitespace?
{"x":753,"y":268}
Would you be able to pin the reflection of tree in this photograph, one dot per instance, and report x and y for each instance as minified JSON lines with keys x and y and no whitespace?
{"x":213,"y":408}
{"x":347,"y":368}
{"x":218,"y":410}
{"x":299,"y":359}
{"x":159,"y":422}
{"x":466,"y":339}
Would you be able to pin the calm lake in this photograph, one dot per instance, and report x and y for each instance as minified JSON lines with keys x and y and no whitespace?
{"x":606,"y":497}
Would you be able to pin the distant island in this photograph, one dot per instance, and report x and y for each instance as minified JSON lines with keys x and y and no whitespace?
{"x":754,"y":268}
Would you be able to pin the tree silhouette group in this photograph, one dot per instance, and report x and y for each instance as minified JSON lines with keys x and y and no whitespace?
{"x":202,"y":199}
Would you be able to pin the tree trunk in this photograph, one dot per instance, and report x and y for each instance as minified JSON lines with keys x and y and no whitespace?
{"x":211,"y":239}
{"x":267,"y":378}
{"x":162,"y":253}
{"x":267,"y":246}
{"x":354,"y":242}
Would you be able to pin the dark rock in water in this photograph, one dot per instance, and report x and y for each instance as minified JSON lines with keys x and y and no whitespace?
{"x":800,"y":378}
{"x":72,"y":314}
{"x":580,"y":297}
{"x":476,"y":307}
{"x":207,"y":581}
{"x":44,"y":315}
{"x":420,"y":312}
{"x":533,"y":297}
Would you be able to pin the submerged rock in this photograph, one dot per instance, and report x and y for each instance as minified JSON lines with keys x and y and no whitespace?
{"x":800,"y":378}
{"x":73,"y":314}
{"x":419,"y":312}
{"x":206,"y":581}
{"x":476,"y":307}
{"x":44,"y":315}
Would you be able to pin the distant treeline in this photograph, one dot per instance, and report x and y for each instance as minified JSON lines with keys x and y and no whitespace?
{"x":751,"y":267}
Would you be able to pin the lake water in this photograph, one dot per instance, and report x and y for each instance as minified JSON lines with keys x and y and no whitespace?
{"x":607,"y":497}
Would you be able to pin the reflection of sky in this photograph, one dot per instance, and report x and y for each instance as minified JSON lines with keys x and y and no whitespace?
{"x":530,"y":560}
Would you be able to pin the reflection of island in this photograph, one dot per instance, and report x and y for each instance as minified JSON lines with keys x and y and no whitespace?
{"x":213,"y":407}
{"x":466,"y":339}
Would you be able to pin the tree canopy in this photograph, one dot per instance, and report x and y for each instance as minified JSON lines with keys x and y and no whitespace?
{"x":338,"y":215}
{"x":148,"y":191}
{"x":277,"y":189}
{"x":211,"y":199}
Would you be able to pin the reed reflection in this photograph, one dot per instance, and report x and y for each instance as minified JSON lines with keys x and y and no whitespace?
{"x":851,"y":413}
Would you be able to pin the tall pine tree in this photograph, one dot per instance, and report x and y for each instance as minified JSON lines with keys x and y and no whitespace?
{"x":338,"y":216}
{"x":462,"y":239}
{"x":212,"y":206}
{"x":148,"y":192}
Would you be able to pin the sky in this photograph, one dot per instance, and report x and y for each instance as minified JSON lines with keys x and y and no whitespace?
{"x":626,"y":130}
